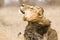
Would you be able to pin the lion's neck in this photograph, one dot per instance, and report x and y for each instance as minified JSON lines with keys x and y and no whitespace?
{"x":40,"y":26}
{"x":40,"y":29}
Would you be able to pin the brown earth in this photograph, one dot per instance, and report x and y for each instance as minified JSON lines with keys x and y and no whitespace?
{"x":11,"y":22}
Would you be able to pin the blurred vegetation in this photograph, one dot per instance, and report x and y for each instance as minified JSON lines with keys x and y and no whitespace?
{"x":1,"y":2}
{"x":31,"y":2}
{"x":40,"y":2}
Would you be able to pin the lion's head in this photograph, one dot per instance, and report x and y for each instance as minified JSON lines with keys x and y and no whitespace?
{"x":31,"y":13}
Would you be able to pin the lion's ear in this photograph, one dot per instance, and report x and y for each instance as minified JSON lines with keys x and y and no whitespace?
{"x":40,"y":12}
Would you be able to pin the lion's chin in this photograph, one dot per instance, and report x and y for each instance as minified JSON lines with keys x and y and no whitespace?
{"x":31,"y":20}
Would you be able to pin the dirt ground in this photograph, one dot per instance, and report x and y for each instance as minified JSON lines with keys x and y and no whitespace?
{"x":11,"y":22}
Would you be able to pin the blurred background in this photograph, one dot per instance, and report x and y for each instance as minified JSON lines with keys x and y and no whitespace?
{"x":11,"y":22}
{"x":31,"y":2}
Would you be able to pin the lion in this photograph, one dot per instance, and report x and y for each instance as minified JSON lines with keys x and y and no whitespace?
{"x":38,"y":27}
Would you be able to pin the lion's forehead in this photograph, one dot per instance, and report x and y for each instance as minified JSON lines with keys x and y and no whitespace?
{"x":30,"y":8}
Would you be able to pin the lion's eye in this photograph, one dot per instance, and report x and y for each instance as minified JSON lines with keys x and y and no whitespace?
{"x":39,"y":14}
{"x":31,"y":8}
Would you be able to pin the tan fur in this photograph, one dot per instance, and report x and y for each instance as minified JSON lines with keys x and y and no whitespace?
{"x":38,"y":27}
{"x":32,"y":13}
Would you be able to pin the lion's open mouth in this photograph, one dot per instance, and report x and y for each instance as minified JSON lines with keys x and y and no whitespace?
{"x":21,"y":7}
{"x":22,"y":11}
